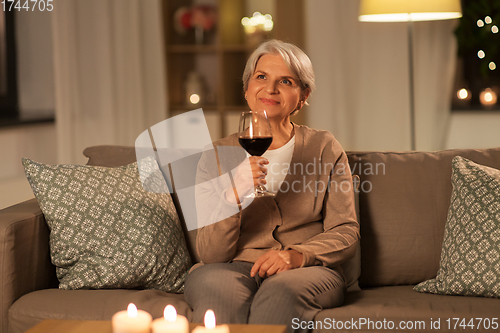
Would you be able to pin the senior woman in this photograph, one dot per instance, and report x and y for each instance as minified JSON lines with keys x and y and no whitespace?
{"x":277,"y":260}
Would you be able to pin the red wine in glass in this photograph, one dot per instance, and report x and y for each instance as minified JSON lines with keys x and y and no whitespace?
{"x":255,"y":137}
{"x":256,"y":146}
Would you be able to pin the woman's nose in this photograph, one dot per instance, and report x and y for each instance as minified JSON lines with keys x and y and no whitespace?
{"x":271,"y":86}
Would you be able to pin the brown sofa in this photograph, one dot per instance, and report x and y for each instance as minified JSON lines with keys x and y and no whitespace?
{"x":403,"y":199}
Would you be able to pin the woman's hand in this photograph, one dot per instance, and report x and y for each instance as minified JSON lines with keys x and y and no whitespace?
{"x":274,"y":261}
{"x":248,"y":174}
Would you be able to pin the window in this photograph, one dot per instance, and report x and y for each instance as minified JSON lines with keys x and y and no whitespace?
{"x":8,"y":75}
{"x":477,"y":83}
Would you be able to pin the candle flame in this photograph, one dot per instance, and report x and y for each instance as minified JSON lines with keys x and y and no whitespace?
{"x":132,"y":310}
{"x":170,"y":314}
{"x":209,"y":319}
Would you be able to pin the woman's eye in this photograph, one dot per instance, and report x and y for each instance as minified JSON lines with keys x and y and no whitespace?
{"x":286,"y":81}
{"x":261,"y":76}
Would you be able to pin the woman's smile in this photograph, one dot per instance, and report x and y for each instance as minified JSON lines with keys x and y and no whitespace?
{"x":268,"y":101}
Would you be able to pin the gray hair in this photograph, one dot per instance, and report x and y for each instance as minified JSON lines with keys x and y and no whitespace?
{"x":297,"y":61}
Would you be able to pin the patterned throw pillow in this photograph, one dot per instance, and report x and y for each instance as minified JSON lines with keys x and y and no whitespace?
{"x":106,"y":231}
{"x":470,"y":257}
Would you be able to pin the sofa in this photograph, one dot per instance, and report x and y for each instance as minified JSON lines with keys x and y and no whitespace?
{"x":404,"y":199}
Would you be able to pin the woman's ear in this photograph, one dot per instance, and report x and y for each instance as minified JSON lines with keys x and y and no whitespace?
{"x":303,"y":99}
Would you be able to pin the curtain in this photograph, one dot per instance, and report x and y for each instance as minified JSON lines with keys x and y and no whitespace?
{"x":109,"y":64}
{"x":362,"y":76}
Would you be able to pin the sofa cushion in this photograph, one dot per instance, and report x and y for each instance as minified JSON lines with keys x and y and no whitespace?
{"x":404,"y":201}
{"x":34,"y":307}
{"x":112,"y":156}
{"x":402,"y":304}
{"x":106,"y":230}
{"x":470,"y":258}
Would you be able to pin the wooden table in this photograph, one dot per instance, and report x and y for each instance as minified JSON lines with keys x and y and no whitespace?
{"x":86,"y":326}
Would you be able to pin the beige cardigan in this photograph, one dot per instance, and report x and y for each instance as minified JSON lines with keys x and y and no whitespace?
{"x":305,"y":215}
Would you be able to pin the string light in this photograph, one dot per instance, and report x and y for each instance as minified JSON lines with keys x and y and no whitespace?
{"x":257,"y":22}
{"x":463,"y":94}
{"x":488,"y":97}
{"x":194,"y":98}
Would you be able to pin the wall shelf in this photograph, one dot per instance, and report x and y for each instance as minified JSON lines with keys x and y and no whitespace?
{"x":220,"y":60}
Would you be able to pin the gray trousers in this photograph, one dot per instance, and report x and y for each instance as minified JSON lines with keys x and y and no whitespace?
{"x":237,"y":298}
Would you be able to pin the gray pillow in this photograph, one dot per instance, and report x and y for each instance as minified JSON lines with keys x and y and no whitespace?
{"x":106,"y":231}
{"x":470,"y":256}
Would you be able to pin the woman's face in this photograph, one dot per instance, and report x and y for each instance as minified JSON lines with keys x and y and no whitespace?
{"x":273,"y":88}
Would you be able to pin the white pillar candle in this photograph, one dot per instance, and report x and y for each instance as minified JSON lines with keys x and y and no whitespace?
{"x":171,"y":322}
{"x":131,"y":321}
{"x":210,"y":326}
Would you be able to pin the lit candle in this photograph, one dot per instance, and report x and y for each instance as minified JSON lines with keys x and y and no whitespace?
{"x":210,"y":326}
{"x":171,"y":322}
{"x":131,"y":321}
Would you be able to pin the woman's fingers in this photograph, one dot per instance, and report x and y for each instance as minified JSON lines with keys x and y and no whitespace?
{"x":251,"y":172}
{"x":275,"y":268}
{"x":270,"y":263}
{"x":259,"y":169}
{"x":258,"y":264}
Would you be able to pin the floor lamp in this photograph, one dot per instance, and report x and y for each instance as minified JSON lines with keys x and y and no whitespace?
{"x":409,"y":11}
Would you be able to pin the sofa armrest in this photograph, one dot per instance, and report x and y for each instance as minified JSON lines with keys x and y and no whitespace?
{"x":24,"y":255}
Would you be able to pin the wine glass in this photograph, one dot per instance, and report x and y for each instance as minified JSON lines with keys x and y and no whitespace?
{"x":255,"y":137}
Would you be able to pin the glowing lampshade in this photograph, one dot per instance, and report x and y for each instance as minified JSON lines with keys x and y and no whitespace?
{"x":409,"y":10}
